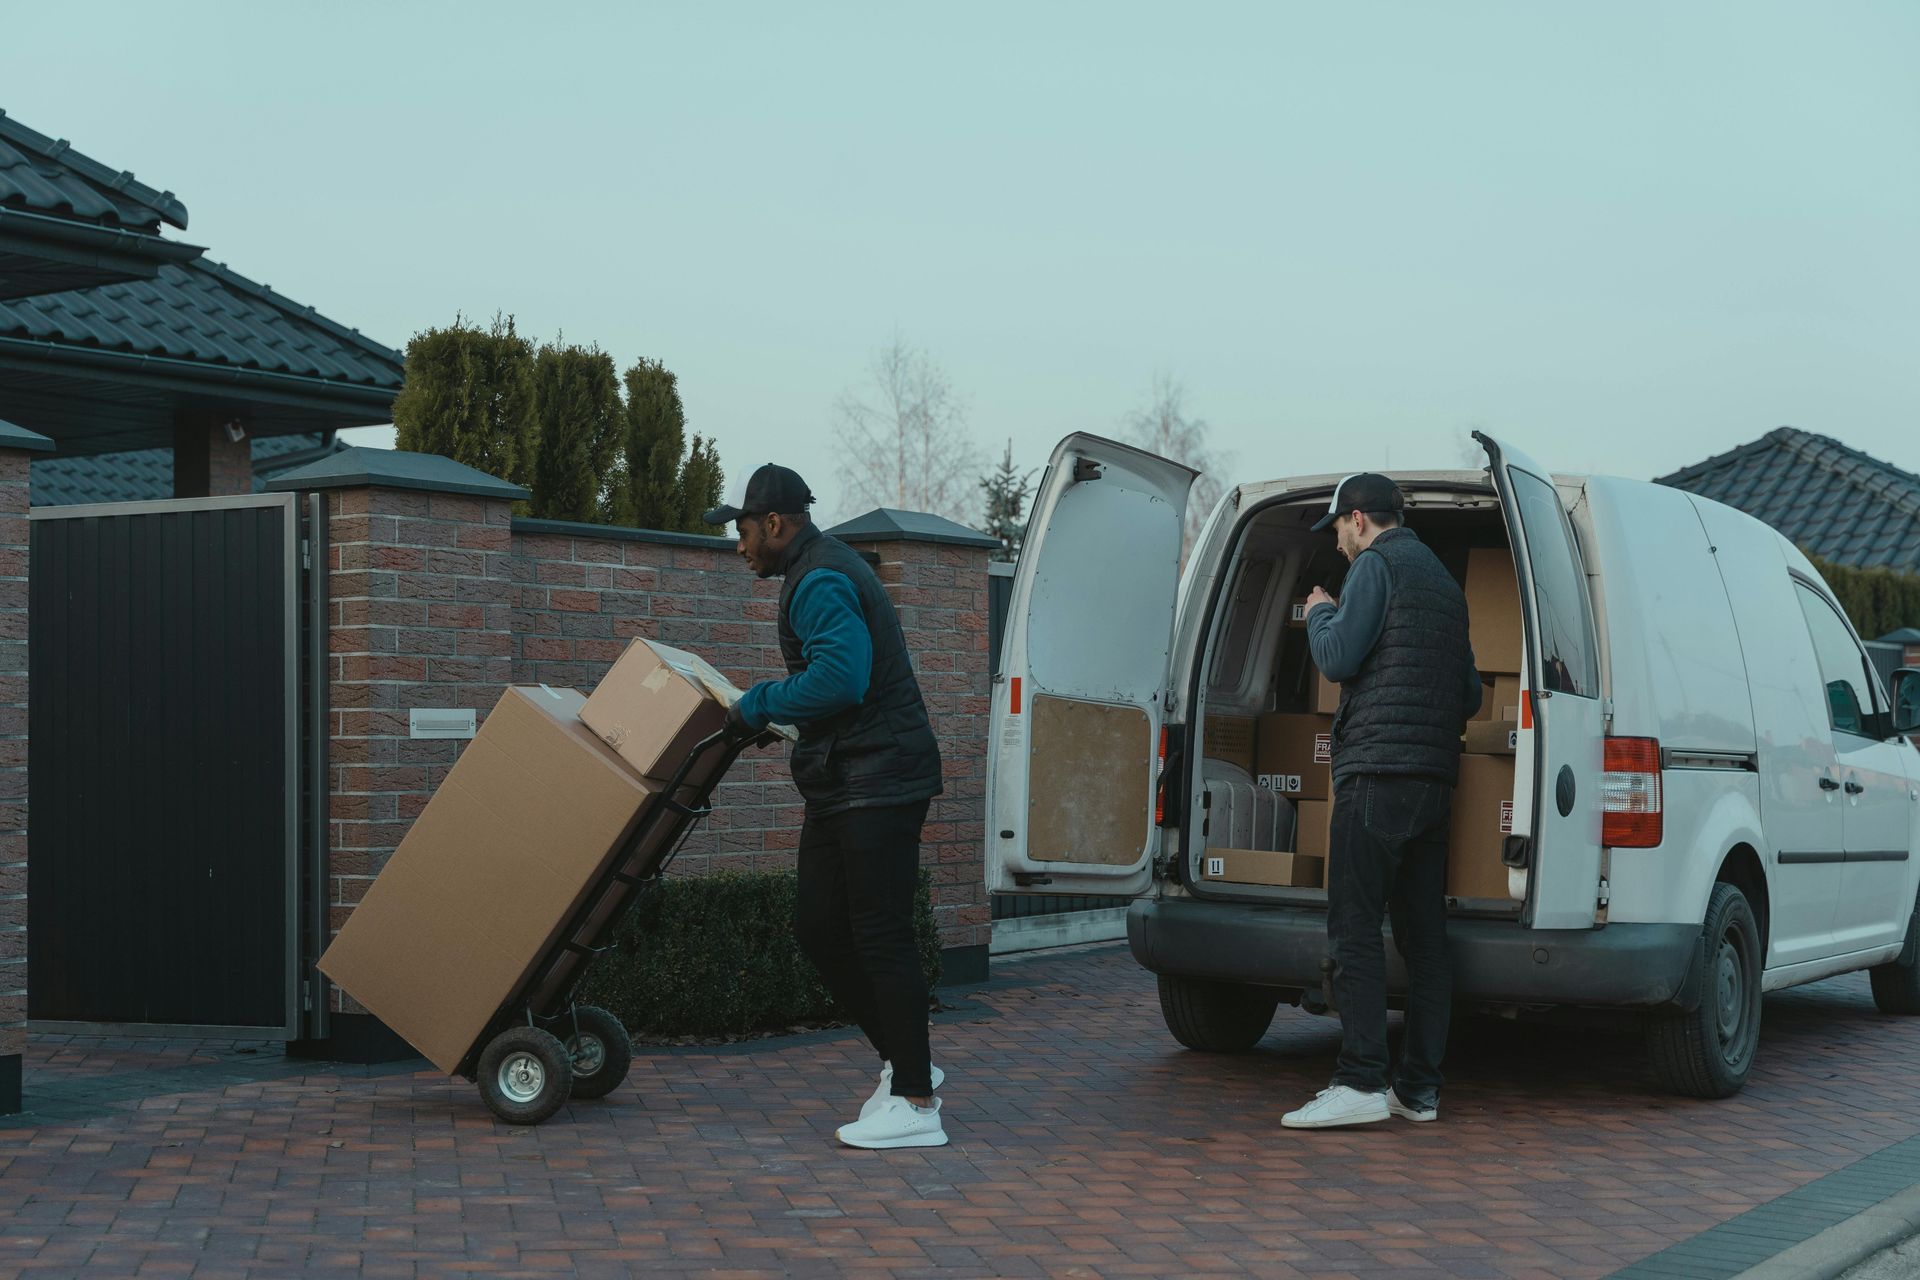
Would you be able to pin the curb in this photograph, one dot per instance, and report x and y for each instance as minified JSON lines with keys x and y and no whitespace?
{"x":1839,"y":1248}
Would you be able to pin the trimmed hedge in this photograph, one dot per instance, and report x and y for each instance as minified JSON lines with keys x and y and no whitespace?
{"x":715,"y":956}
{"x":1878,"y":600}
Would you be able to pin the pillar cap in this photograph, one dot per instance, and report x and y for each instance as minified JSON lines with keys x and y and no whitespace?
{"x":364,"y":468}
{"x":884,"y":524}
{"x":12,"y":437}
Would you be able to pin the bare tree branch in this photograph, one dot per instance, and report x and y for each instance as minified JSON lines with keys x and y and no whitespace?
{"x":903,"y":437}
{"x":1162,"y":426}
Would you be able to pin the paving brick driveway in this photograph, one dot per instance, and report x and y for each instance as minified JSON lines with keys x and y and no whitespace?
{"x":1086,"y":1143}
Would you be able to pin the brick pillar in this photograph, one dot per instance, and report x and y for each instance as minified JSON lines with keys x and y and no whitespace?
{"x":419,"y":593}
{"x":936,"y":572}
{"x":207,"y":461}
{"x":17,"y":447}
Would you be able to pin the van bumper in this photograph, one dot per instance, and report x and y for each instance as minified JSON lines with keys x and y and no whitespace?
{"x":1617,"y":966}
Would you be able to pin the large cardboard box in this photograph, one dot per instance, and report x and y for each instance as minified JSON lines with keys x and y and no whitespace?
{"x":1262,"y":866}
{"x":1230,"y":738}
{"x":655,"y":704}
{"x":1482,"y":820}
{"x":1312,"y":825}
{"x":504,"y":854}
{"x":1493,"y":610}
{"x":1294,"y":755}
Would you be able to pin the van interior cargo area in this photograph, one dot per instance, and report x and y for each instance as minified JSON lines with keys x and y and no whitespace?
{"x":1265,"y":787}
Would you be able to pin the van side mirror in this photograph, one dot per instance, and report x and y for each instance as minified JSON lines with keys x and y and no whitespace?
{"x":1906,"y":700}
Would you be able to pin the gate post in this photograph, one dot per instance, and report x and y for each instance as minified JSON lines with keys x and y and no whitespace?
{"x":17,"y":447}
{"x":419,"y":597}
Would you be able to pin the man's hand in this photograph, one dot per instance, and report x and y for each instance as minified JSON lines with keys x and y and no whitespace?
{"x":1319,"y":597}
{"x":737,"y":726}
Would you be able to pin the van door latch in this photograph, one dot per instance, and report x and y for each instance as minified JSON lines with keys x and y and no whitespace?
{"x":1029,"y":879}
{"x":1085,"y":469}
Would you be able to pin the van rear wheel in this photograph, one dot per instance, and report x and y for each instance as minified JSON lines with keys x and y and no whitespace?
{"x":1216,"y":1017}
{"x":1707,"y":1052}
{"x":1896,"y":984}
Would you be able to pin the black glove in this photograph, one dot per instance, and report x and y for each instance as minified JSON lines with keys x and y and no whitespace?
{"x":737,"y":726}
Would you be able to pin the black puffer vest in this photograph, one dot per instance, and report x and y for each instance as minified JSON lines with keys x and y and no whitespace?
{"x":1401,"y":714}
{"x":881,"y":752}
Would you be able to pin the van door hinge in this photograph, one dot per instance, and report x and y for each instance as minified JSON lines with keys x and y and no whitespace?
{"x":1606,"y":710}
{"x":306,"y":554}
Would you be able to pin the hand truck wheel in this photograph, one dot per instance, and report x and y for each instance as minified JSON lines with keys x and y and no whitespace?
{"x":599,"y":1048}
{"x":525,"y":1075}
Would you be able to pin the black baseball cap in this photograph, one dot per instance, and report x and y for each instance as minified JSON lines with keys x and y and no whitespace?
{"x":1362,"y":491}
{"x":768,"y":489}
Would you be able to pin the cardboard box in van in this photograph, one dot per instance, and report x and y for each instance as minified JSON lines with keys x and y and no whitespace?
{"x":1505,"y":699}
{"x":1326,"y":696}
{"x":1491,"y":737}
{"x":1294,"y":755}
{"x":504,"y":854}
{"x":1230,"y":738}
{"x":1312,"y":825}
{"x":655,"y":704}
{"x":1297,"y":612}
{"x":1262,"y":866}
{"x":1493,"y":610}
{"x":1482,"y":820}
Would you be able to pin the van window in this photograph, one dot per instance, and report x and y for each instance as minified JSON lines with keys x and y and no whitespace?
{"x":1843,"y":665}
{"x":1568,"y":662}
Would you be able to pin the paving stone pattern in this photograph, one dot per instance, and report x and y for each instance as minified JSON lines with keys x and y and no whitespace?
{"x":1086,"y":1143}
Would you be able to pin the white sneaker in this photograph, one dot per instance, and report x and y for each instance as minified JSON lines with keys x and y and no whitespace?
{"x":1407,"y":1111}
{"x":885,"y":1089}
{"x":896,"y":1123}
{"x":1338,"y":1105}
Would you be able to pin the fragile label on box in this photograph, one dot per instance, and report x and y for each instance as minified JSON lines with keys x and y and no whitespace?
{"x":1216,"y":867}
{"x":1323,"y":748}
{"x":1287,"y":784}
{"x":1506,"y":817}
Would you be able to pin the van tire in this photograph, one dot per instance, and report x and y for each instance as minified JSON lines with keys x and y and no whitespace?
{"x":1896,"y":984}
{"x":1216,"y":1017}
{"x":1707,"y":1051}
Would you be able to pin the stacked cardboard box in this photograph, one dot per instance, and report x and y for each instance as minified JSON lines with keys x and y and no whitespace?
{"x":525,"y":828}
{"x":1483,"y":800}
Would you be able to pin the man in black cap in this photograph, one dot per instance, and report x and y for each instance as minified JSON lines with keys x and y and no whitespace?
{"x":867,"y":766}
{"x":1396,"y":642}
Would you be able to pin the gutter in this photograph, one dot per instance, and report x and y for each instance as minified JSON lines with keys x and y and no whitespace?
{"x":140,"y":244}
{"x":171,"y":372}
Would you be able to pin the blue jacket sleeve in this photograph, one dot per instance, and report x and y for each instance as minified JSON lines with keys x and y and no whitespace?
{"x":1341,"y":636}
{"x":826,"y":615}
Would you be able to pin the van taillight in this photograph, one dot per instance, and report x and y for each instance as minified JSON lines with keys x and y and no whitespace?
{"x":1630,"y":794}
{"x":1160,"y":783}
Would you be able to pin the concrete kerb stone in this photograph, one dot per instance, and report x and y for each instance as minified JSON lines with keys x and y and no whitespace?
{"x":1845,"y":1245}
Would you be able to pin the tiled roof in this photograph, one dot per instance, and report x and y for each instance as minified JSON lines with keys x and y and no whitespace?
{"x":44,"y":175}
{"x":146,"y":475}
{"x":203,"y":313}
{"x":1838,"y":503}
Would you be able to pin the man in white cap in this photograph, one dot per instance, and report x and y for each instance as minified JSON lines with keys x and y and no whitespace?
{"x":867,"y":766}
{"x":1396,"y":642}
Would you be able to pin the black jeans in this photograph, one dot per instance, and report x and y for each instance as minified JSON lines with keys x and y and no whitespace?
{"x":859,"y":876}
{"x":1387,"y":850}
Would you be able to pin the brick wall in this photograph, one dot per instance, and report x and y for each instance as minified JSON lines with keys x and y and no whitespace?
{"x":440,"y":601}
{"x":419,"y":602}
{"x":13,"y":755}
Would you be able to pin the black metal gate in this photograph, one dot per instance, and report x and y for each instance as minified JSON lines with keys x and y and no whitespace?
{"x":165,"y":802}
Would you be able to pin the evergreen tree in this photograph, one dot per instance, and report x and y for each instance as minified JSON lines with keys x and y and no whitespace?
{"x":581,"y":424}
{"x":1007,"y":492}
{"x":656,"y":440}
{"x":469,"y":395}
{"x":702,"y":485}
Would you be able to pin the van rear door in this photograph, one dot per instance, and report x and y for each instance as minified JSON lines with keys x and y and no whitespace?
{"x":1561,"y":703}
{"x":1073,"y":756}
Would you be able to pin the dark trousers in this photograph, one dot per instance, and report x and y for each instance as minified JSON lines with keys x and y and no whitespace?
{"x":1387,"y":852}
{"x":859,"y":876}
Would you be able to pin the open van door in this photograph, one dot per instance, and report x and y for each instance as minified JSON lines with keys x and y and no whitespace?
{"x":1561,"y":704}
{"x":1073,"y":747}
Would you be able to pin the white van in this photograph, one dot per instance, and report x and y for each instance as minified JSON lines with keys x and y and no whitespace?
{"x":1712,"y":796}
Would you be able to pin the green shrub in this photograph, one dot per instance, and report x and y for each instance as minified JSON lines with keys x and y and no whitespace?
{"x":1878,"y":600}
{"x":715,"y":956}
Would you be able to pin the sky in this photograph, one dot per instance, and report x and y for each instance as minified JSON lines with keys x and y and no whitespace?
{"x":1620,"y":237}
